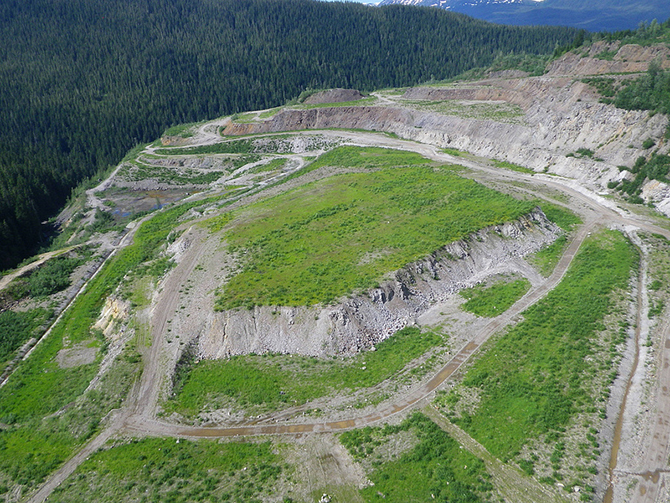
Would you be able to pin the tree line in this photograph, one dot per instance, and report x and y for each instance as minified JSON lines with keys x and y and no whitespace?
{"x":82,"y":82}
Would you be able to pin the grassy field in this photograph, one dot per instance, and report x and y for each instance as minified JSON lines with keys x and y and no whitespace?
{"x":176,"y":471}
{"x":273,"y":165}
{"x":564,"y":218}
{"x":32,"y":446}
{"x":267,"y":382}
{"x":17,"y":327}
{"x":244,"y":146}
{"x":491,"y":300}
{"x":535,"y":380}
{"x":435,"y":468}
{"x":499,"y":112}
{"x":329,"y":238}
{"x":512,"y":166}
{"x":546,"y":259}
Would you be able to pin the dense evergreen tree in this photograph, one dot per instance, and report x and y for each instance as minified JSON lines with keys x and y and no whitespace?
{"x":82,"y":81}
{"x":649,"y":92}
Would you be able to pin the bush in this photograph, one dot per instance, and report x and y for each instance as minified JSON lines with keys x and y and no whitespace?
{"x":52,"y":277}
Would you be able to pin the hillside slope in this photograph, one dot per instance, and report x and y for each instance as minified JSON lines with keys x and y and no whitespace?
{"x":98,"y":78}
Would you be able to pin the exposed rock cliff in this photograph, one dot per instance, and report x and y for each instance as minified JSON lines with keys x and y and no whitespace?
{"x":361,"y":321}
{"x":561,"y":115}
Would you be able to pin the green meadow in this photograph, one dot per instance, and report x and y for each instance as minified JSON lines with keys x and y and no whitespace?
{"x":271,"y":381}
{"x":554,"y":365}
{"x":435,"y":468}
{"x":328,"y":238}
{"x":177,"y":471}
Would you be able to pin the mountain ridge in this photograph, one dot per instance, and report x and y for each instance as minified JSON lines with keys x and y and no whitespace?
{"x":601,"y":15}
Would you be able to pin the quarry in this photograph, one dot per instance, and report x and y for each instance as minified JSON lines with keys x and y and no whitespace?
{"x":318,"y":292}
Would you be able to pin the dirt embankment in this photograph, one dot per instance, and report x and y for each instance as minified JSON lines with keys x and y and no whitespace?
{"x":600,"y":59}
{"x":561,"y":115}
{"x":334,"y":96}
{"x":363,"y":320}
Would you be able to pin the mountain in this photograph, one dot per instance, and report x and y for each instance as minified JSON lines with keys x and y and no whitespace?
{"x":597,"y":15}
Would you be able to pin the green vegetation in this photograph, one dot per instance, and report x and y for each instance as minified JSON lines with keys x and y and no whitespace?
{"x":604,"y":85}
{"x":561,"y":216}
{"x":453,"y":151}
{"x":266,"y":382}
{"x":499,"y":112}
{"x":435,"y":468}
{"x":162,"y":469}
{"x":512,"y":166}
{"x":547,"y":258}
{"x":535,"y":379}
{"x":181,"y":130}
{"x":649,"y":92}
{"x":492,"y":300}
{"x":32,"y":447}
{"x":534,"y":64}
{"x":257,"y":54}
{"x":53,"y":276}
{"x":245,"y":146}
{"x":40,"y":386}
{"x":17,"y":327}
{"x":581,"y":153}
{"x":138,"y":170}
{"x":606,"y":55}
{"x":648,"y":143}
{"x":356,"y":103}
{"x":646,"y":34}
{"x":273,"y":165}
{"x":654,"y":168}
{"x":350,"y":229}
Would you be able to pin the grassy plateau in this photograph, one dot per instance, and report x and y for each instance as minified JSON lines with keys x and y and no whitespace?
{"x":329,"y":238}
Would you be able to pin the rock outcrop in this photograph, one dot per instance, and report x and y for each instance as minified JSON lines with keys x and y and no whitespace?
{"x":360,"y":321}
{"x":561,"y":115}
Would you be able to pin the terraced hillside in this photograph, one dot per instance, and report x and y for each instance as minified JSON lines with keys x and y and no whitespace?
{"x":425,"y":293}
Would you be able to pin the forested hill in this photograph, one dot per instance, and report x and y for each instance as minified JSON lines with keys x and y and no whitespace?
{"x":82,"y":81}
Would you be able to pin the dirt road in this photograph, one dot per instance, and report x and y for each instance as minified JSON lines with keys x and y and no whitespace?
{"x":7,"y":279}
{"x":138,"y":418}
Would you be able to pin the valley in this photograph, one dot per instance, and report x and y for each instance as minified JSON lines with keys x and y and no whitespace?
{"x":435,"y":292}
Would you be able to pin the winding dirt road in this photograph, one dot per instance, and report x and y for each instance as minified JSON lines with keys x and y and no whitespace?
{"x":137,"y":418}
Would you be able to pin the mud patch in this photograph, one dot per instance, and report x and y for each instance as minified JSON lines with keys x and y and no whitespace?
{"x":324,"y":466}
{"x":125,"y":202}
{"x":81,"y":354}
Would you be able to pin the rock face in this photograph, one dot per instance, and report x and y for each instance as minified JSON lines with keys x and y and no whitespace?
{"x":115,"y":310}
{"x":561,"y":114}
{"x":553,"y":131}
{"x":360,"y":321}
